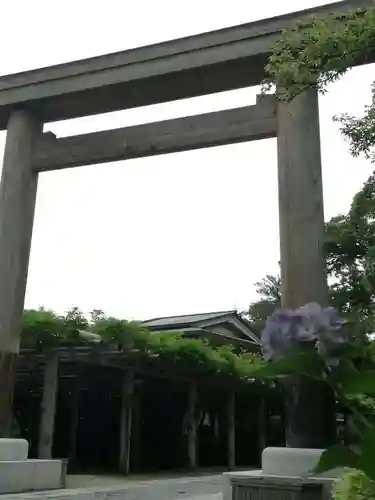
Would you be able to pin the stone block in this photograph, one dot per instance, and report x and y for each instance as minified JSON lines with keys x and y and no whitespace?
{"x":276,"y":488}
{"x":31,"y":475}
{"x":13,"y":449}
{"x":255,"y":485}
{"x":286,"y":474}
{"x":289,"y":461}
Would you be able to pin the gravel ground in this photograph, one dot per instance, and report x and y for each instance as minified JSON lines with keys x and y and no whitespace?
{"x":118,"y":488}
{"x":183,"y":488}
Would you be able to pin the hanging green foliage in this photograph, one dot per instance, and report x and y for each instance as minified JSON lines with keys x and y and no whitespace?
{"x":44,"y":329}
{"x":319,"y":50}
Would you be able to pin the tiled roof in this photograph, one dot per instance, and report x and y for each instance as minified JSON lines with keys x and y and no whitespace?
{"x":187,"y":319}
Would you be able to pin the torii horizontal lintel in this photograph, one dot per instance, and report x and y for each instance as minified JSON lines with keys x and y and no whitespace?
{"x":181,"y":134}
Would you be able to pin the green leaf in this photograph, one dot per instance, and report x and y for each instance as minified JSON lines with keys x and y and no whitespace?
{"x":362,"y":382}
{"x":337,"y":456}
{"x":353,"y":485}
{"x":303,"y":363}
{"x":342,"y":456}
{"x":367,"y":451}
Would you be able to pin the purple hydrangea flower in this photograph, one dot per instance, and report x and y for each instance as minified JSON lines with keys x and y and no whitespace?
{"x":287,"y":330}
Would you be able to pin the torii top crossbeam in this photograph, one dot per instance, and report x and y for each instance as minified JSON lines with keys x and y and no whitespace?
{"x":201,"y":64}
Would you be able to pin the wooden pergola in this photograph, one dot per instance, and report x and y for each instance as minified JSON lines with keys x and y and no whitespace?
{"x":222,"y":60}
{"x":45,"y":371}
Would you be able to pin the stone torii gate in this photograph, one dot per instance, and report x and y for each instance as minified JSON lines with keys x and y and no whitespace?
{"x":222,"y":60}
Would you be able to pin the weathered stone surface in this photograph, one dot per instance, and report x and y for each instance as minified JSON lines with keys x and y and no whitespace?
{"x":30,"y":475}
{"x":13,"y":449}
{"x":289,"y":461}
{"x":287,"y":470}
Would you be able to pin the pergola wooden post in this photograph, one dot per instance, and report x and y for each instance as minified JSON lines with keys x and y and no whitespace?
{"x":74,"y":411}
{"x":192,"y":425}
{"x":262,"y":424}
{"x":231,"y":417}
{"x":48,"y":406}
{"x":126,"y":421}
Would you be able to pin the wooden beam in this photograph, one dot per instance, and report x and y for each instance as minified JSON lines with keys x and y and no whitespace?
{"x":231,"y":417}
{"x":17,"y":205}
{"x":48,"y":406}
{"x":182,"y":134}
{"x":74,"y":410}
{"x":135,"y":441}
{"x":262,"y":425}
{"x":126,"y":421}
{"x":192,"y":425}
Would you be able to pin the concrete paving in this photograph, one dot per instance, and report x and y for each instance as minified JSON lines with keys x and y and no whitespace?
{"x":119,"y":488}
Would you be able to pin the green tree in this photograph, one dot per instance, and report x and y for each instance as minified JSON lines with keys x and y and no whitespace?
{"x":350,"y":255}
{"x":269,"y":291}
{"x":350,"y":250}
{"x":97,"y":315}
{"x":269,"y":288}
{"x":75,"y":320}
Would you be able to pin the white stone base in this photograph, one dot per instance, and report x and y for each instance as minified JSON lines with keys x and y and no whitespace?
{"x":13,"y":449}
{"x":287,"y":464}
{"x":296,"y":462}
{"x":19,"y":474}
{"x":31,"y":475}
{"x":258,"y":474}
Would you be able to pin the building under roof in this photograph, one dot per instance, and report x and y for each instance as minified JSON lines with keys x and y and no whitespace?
{"x":223,"y":327}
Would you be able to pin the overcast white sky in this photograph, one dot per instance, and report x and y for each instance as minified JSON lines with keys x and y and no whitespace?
{"x":183,"y":233}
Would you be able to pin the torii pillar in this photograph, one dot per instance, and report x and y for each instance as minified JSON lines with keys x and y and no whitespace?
{"x":18,"y":190}
{"x":303,"y":268}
